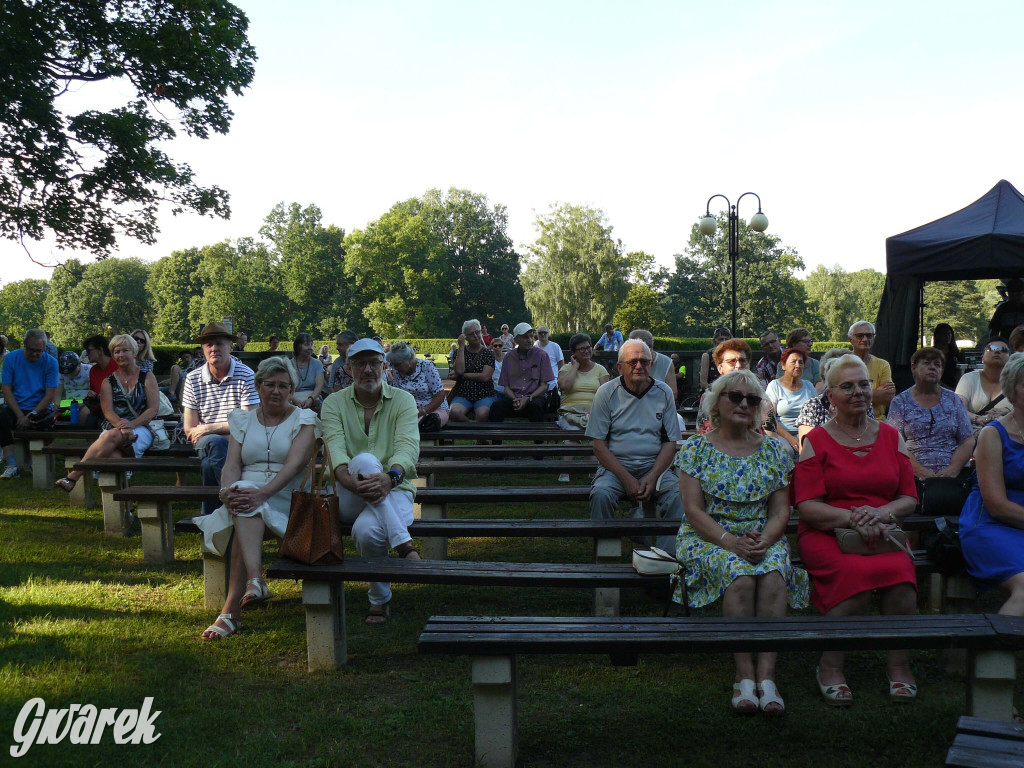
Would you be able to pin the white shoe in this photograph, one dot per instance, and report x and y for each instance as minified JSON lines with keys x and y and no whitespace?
{"x":564,"y":477}
{"x":11,"y":473}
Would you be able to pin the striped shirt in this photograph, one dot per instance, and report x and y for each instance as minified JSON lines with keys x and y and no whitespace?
{"x":213,"y":399}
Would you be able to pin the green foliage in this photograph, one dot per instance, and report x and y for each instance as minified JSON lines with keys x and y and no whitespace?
{"x":21,"y":307}
{"x":110,"y":298}
{"x":642,"y":309}
{"x":698,"y":297}
{"x":959,"y":303}
{"x":88,"y":177}
{"x":575,"y":275}
{"x":57,"y":304}
{"x":830,"y":304}
{"x":175,"y":285}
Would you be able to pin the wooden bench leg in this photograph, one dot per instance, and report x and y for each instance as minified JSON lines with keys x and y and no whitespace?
{"x":22,"y":453}
{"x":84,"y":493}
{"x":959,"y":594}
{"x":607,"y":599}
{"x":936,"y":586}
{"x":113,"y":511}
{"x":435,"y":547}
{"x":326,"y":644}
{"x":991,"y":679}
{"x":44,"y":471}
{"x":157,"y":531}
{"x":494,"y":711}
{"x":216,"y":573}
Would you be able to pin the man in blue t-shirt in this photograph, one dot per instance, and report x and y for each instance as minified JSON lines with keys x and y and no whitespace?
{"x":30,"y":382}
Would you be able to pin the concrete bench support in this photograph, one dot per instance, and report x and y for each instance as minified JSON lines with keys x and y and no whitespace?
{"x":114,"y":517}
{"x":496,"y":717}
{"x":216,"y":572}
{"x":326,"y":642}
{"x":607,"y":599}
{"x":990,"y":686}
{"x":157,"y":531}
{"x":44,"y":472}
{"x":84,"y":494}
{"x":434,"y":548}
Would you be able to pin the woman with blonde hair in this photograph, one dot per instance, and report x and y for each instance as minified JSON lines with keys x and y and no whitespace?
{"x":146,"y":357}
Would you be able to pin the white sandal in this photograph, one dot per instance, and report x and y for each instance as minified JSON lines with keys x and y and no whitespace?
{"x":219,"y":633}
{"x":768,"y":694}
{"x":743,"y":693}
{"x":256,"y":591}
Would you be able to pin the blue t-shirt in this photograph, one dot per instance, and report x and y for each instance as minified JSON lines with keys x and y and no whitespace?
{"x":29,"y":380}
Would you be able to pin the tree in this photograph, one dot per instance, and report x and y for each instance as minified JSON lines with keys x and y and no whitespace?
{"x":575,"y":275}
{"x":830,"y":305}
{"x":112,"y":294}
{"x":21,"y":307}
{"x":642,"y":309}
{"x":958,"y":303}
{"x":88,"y":177}
{"x":769,"y":295}
{"x":866,"y":291}
{"x":175,"y":284}
{"x":241,"y":282}
{"x":57,"y":304}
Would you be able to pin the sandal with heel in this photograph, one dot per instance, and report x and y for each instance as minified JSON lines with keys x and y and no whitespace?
{"x":66,"y":484}
{"x":836,"y":695}
{"x":744,"y":700}
{"x":767,"y":695}
{"x":215,"y":632}
{"x":256,"y":591}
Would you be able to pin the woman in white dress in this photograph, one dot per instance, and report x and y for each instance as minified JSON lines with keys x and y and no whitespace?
{"x":267,"y":450}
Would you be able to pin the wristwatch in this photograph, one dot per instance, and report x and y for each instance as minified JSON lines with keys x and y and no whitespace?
{"x":892,"y":518}
{"x":396,"y":476}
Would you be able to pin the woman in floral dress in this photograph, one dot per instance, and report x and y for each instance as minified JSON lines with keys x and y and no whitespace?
{"x":735,"y":488}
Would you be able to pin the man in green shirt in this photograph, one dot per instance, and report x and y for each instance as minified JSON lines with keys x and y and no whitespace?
{"x":367,"y":427}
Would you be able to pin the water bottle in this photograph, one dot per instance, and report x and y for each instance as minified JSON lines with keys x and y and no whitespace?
{"x":74,"y":412}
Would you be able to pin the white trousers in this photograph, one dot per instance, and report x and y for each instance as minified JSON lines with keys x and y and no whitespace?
{"x":376,"y":527}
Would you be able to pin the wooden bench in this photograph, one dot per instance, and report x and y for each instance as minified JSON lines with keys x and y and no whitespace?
{"x":494,"y":643}
{"x":983,"y":743}
{"x":497,"y":452}
{"x":29,"y":444}
{"x":509,"y":433}
{"x":323,"y":593}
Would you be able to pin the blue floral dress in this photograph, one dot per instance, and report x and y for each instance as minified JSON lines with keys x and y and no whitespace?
{"x":736,"y":491}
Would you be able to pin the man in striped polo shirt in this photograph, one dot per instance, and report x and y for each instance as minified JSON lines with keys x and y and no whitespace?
{"x":209,"y":394}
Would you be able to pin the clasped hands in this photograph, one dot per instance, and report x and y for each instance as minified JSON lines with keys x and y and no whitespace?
{"x":640,"y":490}
{"x":871,"y":523}
{"x":243,"y":500}
{"x":751,"y":546}
{"x":373,"y":488}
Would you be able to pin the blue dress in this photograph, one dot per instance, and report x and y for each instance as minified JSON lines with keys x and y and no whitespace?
{"x":994,"y":552}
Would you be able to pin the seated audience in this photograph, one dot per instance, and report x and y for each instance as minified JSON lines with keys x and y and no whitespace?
{"x":980,"y":389}
{"x":634,"y":438}
{"x":610,"y":340}
{"x":325,"y":356}
{"x":817,"y":410}
{"x":74,"y":381}
{"x":932,"y":420}
{"x":273,"y":342}
{"x":239,"y":346}
{"x":177,"y":378}
{"x":268,"y":449}
{"x":507,"y":339}
{"x":339,"y":377}
{"x":679,"y":372}
{"x":98,"y":353}
{"x":771,"y":355}
{"x":421,"y":380}
{"x":309,"y":392}
{"x":578,"y":381}
{"x":130,"y":399}
{"x":733,"y":540}
{"x":944,"y":340}
{"x":473,"y":367}
{"x":855,"y":473}
{"x":662,"y":369}
{"x":542,"y":337}
{"x":800,"y":338}
{"x":499,"y":354}
{"x":1017,"y":339}
{"x":788,"y":394}
{"x":30,"y":382}
{"x":487,"y":337}
{"x":862,"y":338}
{"x":731,"y":355}
{"x":147,"y":357}
{"x":525,"y":373}
{"x":992,"y":520}
{"x":708,"y":372}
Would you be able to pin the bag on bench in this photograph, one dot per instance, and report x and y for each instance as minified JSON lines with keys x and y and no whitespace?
{"x":313,"y":535}
{"x":851,"y":542}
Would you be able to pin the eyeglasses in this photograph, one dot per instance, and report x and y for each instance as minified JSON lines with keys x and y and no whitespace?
{"x":997,"y":348}
{"x":360,"y":364}
{"x":863,"y":335}
{"x":583,"y":348}
{"x":139,"y":341}
{"x":732,"y":362}
{"x":738,"y":397}
{"x":542,"y":333}
{"x":640,"y":362}
{"x":849,"y":387}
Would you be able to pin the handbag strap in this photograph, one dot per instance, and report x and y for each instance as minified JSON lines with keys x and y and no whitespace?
{"x":992,"y":404}
{"x":327,"y":464}
{"x":127,"y":399}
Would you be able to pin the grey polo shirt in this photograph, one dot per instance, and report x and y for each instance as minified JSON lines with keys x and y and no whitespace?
{"x":634,"y":426}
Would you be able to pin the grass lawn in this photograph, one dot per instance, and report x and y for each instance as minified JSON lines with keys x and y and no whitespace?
{"x":84,"y":621}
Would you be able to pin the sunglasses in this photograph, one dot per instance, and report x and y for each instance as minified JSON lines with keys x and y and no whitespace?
{"x":997,"y":348}
{"x":139,"y":341}
{"x":738,"y":397}
{"x":864,"y":335}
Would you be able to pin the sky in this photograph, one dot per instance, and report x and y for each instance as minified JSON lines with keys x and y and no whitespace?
{"x":852,"y":121}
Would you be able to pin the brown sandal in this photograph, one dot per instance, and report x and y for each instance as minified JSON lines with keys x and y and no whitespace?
{"x":407,"y":550}
{"x":378,"y":615}
{"x":66,"y":484}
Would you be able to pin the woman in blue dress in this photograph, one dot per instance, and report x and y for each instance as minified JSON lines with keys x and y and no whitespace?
{"x":992,"y":520}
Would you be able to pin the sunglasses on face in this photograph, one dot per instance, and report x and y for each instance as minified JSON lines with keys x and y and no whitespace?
{"x":738,"y":397}
{"x":638,"y":363}
{"x":139,"y":341}
{"x":997,"y":348}
{"x":864,"y":335}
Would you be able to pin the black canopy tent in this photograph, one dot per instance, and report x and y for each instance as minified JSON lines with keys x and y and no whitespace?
{"x":983,"y":240}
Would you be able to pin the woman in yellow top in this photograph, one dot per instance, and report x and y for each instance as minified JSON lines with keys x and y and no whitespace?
{"x":578,"y":381}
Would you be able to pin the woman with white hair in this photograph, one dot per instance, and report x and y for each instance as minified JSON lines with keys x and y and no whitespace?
{"x":473,"y":365}
{"x":854,"y":474}
{"x":421,"y":380}
{"x":819,"y":409}
{"x":992,"y":520}
{"x":733,"y":538}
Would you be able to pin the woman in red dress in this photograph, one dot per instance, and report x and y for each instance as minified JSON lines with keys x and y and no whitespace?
{"x":854,"y":472}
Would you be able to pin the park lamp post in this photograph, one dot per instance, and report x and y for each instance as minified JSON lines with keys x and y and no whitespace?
{"x":708,"y":225}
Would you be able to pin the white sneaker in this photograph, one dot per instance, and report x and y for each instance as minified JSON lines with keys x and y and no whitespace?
{"x":564,"y":477}
{"x":11,"y":473}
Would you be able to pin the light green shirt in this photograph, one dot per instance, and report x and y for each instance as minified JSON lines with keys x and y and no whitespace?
{"x":394,"y":435}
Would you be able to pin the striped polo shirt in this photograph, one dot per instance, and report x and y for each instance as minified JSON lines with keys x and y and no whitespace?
{"x":213,"y":399}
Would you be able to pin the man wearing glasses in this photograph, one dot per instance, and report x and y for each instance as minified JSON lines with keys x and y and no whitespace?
{"x":634,"y":430}
{"x":862,"y":337}
{"x":371,"y":431}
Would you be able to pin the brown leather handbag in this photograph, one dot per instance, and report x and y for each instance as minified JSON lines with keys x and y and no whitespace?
{"x":313,"y":535}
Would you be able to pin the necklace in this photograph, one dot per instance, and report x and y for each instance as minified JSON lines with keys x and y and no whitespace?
{"x":304,"y":374}
{"x":269,"y":435}
{"x":856,"y":439}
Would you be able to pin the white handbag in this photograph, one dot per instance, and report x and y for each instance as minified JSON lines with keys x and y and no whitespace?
{"x":655,"y":562}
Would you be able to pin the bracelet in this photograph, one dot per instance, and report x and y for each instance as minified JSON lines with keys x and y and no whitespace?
{"x":220,"y":493}
{"x":720,"y":540}
{"x":396,"y":477}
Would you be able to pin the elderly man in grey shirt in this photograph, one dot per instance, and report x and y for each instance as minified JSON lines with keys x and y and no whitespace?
{"x":635,"y":433}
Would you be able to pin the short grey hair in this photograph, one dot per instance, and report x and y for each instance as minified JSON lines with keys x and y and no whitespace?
{"x":401,"y":352}
{"x":470,"y":325}
{"x":628,"y":342}
{"x":34,"y":333}
{"x":124,"y":340}
{"x":1011,"y":375}
{"x":728,"y":381}
{"x":849,"y":333}
{"x":829,"y":357}
{"x":849,"y":360}
{"x":276,"y":364}
{"x":643,"y":335}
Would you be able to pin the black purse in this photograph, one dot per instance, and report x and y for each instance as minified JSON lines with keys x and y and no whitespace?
{"x":945,"y":496}
{"x":943,"y":549}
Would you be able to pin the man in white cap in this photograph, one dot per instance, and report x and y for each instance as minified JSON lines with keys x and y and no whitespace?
{"x":208,"y":395}
{"x":372,"y":434}
{"x":525,"y":374}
